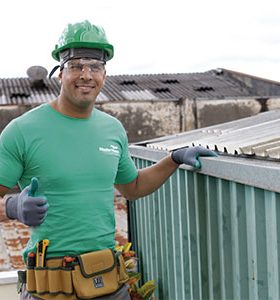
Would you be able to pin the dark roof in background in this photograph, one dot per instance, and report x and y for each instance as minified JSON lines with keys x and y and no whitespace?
{"x":17,"y":91}
{"x":213,"y":84}
{"x":253,"y":137}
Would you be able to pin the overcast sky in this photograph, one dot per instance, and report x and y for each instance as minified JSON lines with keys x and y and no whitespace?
{"x":149,"y":36}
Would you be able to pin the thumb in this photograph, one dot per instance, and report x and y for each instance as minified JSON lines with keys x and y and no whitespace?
{"x":33,"y":187}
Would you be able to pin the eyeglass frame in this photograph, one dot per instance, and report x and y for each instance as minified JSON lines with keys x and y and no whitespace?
{"x":80,"y":66}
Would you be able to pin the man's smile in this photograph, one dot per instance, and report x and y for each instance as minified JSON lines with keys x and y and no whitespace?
{"x":85,"y":88}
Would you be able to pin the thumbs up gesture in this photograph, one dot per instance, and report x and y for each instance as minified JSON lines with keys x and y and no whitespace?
{"x":26,"y":207}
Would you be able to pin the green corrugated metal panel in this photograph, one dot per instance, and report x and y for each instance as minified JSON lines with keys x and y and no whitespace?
{"x":202,"y":237}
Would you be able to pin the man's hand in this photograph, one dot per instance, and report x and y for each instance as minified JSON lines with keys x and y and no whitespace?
{"x":27,"y":208}
{"x":190,"y":156}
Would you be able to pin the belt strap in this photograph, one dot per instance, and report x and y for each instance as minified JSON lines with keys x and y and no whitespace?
{"x":21,"y":280}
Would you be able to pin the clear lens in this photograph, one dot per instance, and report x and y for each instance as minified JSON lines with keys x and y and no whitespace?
{"x":78,"y":66}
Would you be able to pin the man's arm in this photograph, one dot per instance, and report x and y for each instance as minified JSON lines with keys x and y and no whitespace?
{"x":3,"y":192}
{"x":149,"y":179}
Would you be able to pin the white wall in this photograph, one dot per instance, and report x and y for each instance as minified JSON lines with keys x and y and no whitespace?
{"x":8,"y":285}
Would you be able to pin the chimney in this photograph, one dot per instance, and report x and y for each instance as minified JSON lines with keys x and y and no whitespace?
{"x":37,"y":74}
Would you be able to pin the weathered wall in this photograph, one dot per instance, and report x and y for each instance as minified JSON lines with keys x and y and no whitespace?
{"x":145,"y":120}
{"x":8,"y":113}
{"x":220,"y":111}
{"x":203,"y":113}
{"x":273,"y":103}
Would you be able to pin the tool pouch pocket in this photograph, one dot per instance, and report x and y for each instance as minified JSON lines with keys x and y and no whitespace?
{"x":96,"y":274}
{"x":49,"y":281}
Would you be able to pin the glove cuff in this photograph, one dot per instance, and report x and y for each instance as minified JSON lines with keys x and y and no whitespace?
{"x":11,"y":207}
{"x":174,"y":158}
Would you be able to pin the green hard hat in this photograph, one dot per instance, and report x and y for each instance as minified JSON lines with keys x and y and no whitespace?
{"x":83,"y":35}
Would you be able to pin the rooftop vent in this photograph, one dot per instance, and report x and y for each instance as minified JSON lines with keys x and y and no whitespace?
{"x":19,"y":94}
{"x":203,"y":89}
{"x":162,"y":90}
{"x":170,"y":81}
{"x":219,"y":71}
{"x":37,"y":74}
{"x":128,"y":82}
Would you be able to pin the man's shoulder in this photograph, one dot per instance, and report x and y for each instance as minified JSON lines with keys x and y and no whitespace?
{"x":107,"y":117}
{"x":37,"y":111}
{"x":26,"y":118}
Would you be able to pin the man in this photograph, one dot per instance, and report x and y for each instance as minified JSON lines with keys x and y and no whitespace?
{"x":75,"y":154}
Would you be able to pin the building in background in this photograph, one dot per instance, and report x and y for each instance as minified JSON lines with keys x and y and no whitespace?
{"x":155,"y":105}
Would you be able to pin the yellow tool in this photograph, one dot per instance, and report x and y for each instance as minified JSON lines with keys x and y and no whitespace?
{"x":41,"y":253}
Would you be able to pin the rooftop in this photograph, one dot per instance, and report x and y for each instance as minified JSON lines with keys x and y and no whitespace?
{"x":213,"y":84}
{"x":252,"y":137}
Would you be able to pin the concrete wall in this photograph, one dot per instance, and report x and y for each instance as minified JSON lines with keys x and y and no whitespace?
{"x":145,"y":120}
{"x":148,"y":119}
{"x":202,"y":113}
{"x":8,"y":285}
{"x":9,"y":292}
{"x":8,"y":113}
{"x":220,"y":111}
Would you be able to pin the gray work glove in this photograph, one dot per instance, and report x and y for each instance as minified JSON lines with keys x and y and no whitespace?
{"x":27,"y":208}
{"x":190,"y":156}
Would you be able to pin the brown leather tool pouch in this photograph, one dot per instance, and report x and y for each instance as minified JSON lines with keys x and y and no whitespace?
{"x":96,"y":274}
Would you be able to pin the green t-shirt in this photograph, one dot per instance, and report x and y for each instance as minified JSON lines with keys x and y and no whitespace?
{"x":77,"y":163}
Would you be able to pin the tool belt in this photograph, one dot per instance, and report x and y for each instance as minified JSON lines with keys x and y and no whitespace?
{"x":88,"y":276}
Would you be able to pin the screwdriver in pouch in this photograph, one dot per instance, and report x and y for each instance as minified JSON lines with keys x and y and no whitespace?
{"x":68,"y":261}
{"x":31,"y":260}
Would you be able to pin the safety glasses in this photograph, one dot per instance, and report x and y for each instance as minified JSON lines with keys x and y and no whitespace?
{"x":78,"y":66}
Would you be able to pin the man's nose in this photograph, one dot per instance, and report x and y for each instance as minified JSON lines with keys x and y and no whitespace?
{"x":86,"y":72}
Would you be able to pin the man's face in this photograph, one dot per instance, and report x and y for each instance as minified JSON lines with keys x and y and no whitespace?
{"x":82,"y":79}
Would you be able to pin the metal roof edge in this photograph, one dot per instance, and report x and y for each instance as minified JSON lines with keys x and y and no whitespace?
{"x":257,"y":173}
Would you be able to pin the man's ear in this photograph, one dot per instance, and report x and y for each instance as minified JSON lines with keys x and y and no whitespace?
{"x":60,"y":75}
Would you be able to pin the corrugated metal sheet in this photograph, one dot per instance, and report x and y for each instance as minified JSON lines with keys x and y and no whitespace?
{"x":21,"y":91}
{"x":257,"y":136}
{"x":213,"y":84}
{"x":204,"y":237}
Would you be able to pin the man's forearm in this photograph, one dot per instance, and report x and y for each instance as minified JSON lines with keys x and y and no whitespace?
{"x":149,"y":179}
{"x":3,"y":216}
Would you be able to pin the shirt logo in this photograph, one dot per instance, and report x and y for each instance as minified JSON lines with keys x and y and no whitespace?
{"x":111,"y":150}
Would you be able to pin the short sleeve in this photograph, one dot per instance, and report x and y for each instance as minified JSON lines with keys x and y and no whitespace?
{"x":11,"y":155}
{"x":127,"y":171}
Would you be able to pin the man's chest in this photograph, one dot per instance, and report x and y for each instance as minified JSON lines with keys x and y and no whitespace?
{"x":69,"y":160}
